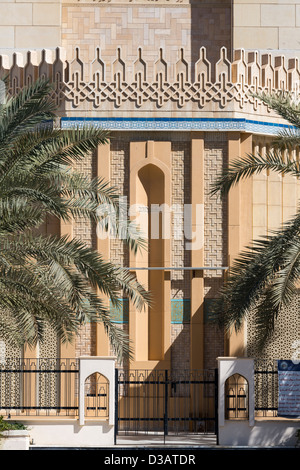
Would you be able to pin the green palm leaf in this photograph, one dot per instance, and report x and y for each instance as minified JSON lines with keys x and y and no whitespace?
{"x":250,"y":165}
{"x":48,"y":279}
{"x":263,"y":278}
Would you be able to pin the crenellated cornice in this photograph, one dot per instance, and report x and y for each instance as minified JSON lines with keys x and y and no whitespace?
{"x":159,"y":89}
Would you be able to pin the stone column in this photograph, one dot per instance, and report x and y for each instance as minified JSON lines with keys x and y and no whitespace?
{"x":239,"y":221}
{"x":150,"y":188}
{"x":103,"y":245}
{"x":229,"y":366}
{"x":197,"y":251}
{"x":104,"y":366}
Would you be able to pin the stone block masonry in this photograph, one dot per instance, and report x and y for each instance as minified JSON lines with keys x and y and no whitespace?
{"x":215,"y":239}
{"x":31,"y":24}
{"x":166,"y":24}
{"x":265,"y":24}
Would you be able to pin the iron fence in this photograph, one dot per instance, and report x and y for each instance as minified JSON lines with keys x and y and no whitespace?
{"x":148,"y":401}
{"x":39,"y":387}
{"x":266,"y":388}
{"x":167,"y":402}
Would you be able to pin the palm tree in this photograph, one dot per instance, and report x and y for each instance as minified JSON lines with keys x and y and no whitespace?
{"x":50,"y":279}
{"x":263,"y":278}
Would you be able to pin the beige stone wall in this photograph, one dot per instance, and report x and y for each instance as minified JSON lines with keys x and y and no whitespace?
{"x":166,"y":24}
{"x":215,"y":157}
{"x":180,"y":280}
{"x":30,"y":24}
{"x":275,"y":197}
{"x":266,"y":24}
{"x":180,"y":339}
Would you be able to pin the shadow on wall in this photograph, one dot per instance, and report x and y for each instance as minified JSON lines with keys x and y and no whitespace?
{"x":211,"y":27}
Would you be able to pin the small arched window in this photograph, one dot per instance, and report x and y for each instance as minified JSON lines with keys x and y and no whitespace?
{"x":236,"y":392}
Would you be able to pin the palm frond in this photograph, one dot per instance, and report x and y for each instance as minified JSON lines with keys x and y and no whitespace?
{"x":284,"y":104}
{"x":287,"y":139}
{"x":264,"y":277}
{"x":31,"y":107}
{"x":250,"y":165}
{"x":47,"y":279}
{"x":269,"y":270}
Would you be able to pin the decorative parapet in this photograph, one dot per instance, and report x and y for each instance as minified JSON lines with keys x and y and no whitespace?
{"x":137,"y":88}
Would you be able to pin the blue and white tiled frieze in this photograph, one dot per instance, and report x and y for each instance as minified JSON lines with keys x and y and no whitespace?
{"x":176,"y":124}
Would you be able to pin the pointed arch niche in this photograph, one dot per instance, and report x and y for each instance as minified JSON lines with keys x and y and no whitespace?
{"x":236,"y":379}
{"x":150,"y":198}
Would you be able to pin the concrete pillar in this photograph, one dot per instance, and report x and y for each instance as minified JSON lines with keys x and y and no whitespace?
{"x":66,"y":230}
{"x":105,"y":366}
{"x":229,"y":366}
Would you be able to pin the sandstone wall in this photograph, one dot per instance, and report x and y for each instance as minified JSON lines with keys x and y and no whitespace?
{"x":30,"y":24}
{"x":267,"y":24}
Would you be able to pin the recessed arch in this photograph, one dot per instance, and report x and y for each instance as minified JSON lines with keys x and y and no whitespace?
{"x":150,"y":164}
{"x":151,"y":194}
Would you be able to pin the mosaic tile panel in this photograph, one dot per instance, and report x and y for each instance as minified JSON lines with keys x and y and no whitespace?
{"x":120,"y":314}
{"x":180,"y":310}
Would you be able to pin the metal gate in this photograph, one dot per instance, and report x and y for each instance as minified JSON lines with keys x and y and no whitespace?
{"x":166,"y":402}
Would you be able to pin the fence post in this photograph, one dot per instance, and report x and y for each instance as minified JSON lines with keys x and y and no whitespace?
{"x":105,"y":366}
{"x":217,"y":404}
{"x":116,"y":404}
{"x":166,"y":404}
{"x":229,"y":366}
{"x":231,"y":430}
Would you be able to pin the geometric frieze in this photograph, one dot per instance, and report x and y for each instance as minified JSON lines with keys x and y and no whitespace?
{"x":161,"y":87}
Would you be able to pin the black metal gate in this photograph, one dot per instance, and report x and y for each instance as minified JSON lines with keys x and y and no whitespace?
{"x":166,"y":402}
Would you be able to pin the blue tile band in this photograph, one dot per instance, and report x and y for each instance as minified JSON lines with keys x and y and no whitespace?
{"x":177,"y":124}
{"x":180,"y":311}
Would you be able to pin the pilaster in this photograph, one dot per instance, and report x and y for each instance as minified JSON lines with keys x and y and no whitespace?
{"x":197,"y":251}
{"x":239,"y":222}
{"x":103,"y":246}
